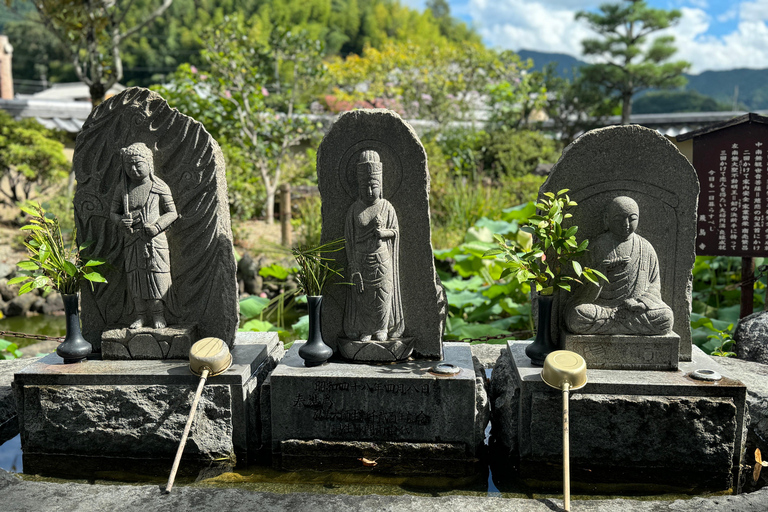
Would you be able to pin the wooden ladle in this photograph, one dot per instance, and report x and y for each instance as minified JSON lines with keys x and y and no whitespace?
{"x":207,"y":358}
{"x":567,"y":371}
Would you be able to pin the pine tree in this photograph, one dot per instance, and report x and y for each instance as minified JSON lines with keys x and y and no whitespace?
{"x":632,"y":63}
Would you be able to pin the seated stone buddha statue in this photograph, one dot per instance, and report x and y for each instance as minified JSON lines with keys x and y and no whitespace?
{"x":630,"y":302}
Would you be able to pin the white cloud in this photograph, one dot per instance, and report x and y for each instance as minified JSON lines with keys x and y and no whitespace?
{"x":754,"y":11}
{"x":549,"y":26}
{"x":522,"y":24}
{"x":746,"y":47}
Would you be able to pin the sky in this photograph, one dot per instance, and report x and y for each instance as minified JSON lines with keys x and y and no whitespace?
{"x":711,"y":35}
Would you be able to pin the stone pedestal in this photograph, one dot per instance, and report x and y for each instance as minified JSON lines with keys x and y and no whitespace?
{"x":146,"y":343}
{"x":403,"y":416}
{"x":623,"y":352}
{"x":138,"y":409}
{"x":625,"y":426}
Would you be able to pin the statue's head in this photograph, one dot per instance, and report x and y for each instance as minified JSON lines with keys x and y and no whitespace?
{"x":138,"y":161}
{"x":369,"y":176}
{"x":621,"y":217}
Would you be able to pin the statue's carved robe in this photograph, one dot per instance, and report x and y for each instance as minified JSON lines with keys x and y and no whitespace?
{"x":376,"y":262}
{"x":632,"y":269}
{"x":147,"y":259}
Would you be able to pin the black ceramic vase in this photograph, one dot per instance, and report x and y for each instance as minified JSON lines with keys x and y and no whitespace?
{"x":543,"y":344}
{"x":315,"y":352}
{"x":74,"y":348}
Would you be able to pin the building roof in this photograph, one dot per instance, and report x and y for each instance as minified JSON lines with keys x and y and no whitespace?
{"x":752,"y":117}
{"x":73,"y":91}
{"x":60,"y":115}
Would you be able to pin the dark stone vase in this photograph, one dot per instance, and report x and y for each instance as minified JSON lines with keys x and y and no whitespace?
{"x":315,"y":352}
{"x":74,"y":348}
{"x":543,"y":344}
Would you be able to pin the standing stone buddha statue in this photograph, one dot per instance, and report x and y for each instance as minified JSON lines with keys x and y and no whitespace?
{"x":143,"y":207}
{"x":374,"y":310}
{"x":630,"y":302}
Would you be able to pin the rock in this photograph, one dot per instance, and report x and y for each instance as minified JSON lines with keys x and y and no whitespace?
{"x":9,"y":426}
{"x":643,"y":165}
{"x":20,"y":306}
{"x":6,"y":270}
{"x":53,"y":304}
{"x":385,"y":149}
{"x":755,"y":376}
{"x":127,"y":420}
{"x":37,"y":306}
{"x":8,"y":293}
{"x":188,"y":177}
{"x":248,"y":274}
{"x":751,"y":335}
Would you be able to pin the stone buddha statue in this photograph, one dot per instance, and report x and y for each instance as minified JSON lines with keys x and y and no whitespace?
{"x":374,"y":310}
{"x":143,"y":208}
{"x":630,"y":302}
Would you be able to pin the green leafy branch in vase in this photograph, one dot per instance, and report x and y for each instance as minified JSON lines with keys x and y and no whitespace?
{"x":52,"y":264}
{"x":315,"y":270}
{"x":543,"y":251}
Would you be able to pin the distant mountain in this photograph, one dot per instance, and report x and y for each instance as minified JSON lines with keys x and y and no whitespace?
{"x":752,"y":84}
{"x":565,"y":63}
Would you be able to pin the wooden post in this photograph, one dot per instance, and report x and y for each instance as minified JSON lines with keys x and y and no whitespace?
{"x":747,"y":294}
{"x":285,"y":214}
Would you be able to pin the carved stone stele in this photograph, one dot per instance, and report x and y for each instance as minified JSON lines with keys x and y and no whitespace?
{"x":202,"y":291}
{"x":374,"y":184}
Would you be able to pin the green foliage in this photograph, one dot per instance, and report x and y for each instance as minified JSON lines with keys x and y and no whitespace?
{"x":576,"y":105}
{"x":462,"y":187}
{"x":514,"y":92}
{"x":725,"y":340}
{"x":546,"y":256}
{"x":309,"y":221}
{"x":315,"y":269}
{"x":257,"y":81}
{"x":91,"y":33}
{"x":31,"y":159}
{"x":52,"y":263}
{"x":630,"y":61}
{"x":515,"y":153}
{"x":9,"y":350}
{"x":676,"y":101}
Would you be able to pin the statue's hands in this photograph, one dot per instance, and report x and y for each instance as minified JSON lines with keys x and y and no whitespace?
{"x":617,"y":262}
{"x":127,"y":221}
{"x":635,"y":306}
{"x":151,"y":230}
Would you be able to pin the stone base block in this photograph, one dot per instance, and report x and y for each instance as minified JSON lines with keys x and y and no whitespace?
{"x":661,"y":426}
{"x":402,"y":406}
{"x":138,"y":409}
{"x":622,"y":352}
{"x":147,"y":343}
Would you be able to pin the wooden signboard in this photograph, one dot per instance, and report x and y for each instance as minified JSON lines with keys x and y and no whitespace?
{"x":731,"y":161}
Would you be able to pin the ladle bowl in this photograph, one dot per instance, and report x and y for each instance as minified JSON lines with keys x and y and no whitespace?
{"x":564,"y":366}
{"x":211,"y":353}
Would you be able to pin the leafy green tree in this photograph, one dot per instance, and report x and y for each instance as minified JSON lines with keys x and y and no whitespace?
{"x":31,"y":159}
{"x":576,"y":106}
{"x":677,"y":101}
{"x":630,"y":61}
{"x":252,"y":93}
{"x":91,"y":33}
{"x":514,"y":92}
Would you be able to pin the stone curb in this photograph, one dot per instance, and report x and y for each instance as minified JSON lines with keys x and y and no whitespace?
{"x":19,"y":495}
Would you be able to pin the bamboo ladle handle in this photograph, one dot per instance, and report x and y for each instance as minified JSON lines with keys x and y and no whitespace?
{"x":566,"y":451}
{"x":177,"y":460}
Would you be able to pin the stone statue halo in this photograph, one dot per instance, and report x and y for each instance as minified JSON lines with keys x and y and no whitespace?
{"x":389,"y":161}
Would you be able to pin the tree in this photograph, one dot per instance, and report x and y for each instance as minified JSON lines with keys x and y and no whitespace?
{"x":576,"y":106}
{"x":631,"y":63}
{"x":91,"y":32}
{"x":30,"y":157}
{"x":254,"y":93}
